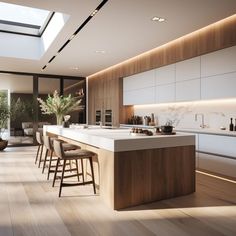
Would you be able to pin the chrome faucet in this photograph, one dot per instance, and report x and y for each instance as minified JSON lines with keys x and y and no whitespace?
{"x":202,"y":125}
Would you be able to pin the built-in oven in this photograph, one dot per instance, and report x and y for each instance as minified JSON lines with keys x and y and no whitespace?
{"x":108,"y":118}
{"x":98,"y":117}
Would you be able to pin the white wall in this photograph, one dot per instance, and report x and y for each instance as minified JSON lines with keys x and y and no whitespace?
{"x":217,"y":113}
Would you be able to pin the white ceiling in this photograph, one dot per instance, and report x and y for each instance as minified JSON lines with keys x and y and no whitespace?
{"x":123,"y":28}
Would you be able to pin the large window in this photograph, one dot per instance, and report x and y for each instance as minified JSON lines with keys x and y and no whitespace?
{"x":23,"y":20}
{"x":26,"y":116}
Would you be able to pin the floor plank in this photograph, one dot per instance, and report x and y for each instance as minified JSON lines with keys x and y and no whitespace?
{"x":30,"y":206}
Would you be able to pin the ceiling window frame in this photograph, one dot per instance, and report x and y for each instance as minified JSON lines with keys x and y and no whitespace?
{"x":24,"y":28}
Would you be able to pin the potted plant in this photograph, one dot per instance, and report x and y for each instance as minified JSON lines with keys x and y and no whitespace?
{"x":60,"y":106}
{"x":4,"y":116}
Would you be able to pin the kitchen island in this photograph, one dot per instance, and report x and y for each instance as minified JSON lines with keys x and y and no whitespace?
{"x":132,"y":170}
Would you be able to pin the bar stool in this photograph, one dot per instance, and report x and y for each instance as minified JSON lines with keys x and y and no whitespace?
{"x":39,"y":139}
{"x":48,"y":143}
{"x":80,"y":154}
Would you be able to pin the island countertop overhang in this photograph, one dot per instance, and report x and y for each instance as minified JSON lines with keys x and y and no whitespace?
{"x":118,"y":140}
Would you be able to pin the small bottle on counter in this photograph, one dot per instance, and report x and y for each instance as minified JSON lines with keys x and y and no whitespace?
{"x":235,"y":125}
{"x":231,"y":125}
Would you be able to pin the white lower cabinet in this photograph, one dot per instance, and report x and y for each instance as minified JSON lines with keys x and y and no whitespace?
{"x":217,"y":153}
{"x":217,"y":164}
{"x":217,"y":144}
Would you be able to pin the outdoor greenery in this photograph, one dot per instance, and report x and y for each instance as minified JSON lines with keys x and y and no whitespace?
{"x":4,"y":112}
{"x":60,"y":106}
{"x":21,"y":110}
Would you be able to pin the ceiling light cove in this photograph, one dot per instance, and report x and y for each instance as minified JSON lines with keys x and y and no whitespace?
{"x":158,"y":19}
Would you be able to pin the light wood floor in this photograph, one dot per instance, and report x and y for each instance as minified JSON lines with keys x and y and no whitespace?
{"x":29,"y":206}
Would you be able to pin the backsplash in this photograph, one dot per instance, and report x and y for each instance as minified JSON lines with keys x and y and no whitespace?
{"x":217,"y":113}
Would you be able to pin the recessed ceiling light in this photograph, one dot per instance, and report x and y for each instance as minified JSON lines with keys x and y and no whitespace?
{"x":72,"y":36}
{"x":74,"y":68}
{"x":100,"y":51}
{"x":94,"y":12}
{"x":159,"y":19}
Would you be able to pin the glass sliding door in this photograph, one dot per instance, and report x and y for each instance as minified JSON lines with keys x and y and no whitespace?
{"x":20,"y":98}
{"x":5,"y":100}
{"x":21,"y":92}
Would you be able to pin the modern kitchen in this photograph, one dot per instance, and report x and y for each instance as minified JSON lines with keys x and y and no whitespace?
{"x":120,"y":118}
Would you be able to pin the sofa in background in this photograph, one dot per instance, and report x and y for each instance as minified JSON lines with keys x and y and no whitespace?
{"x":28,"y":127}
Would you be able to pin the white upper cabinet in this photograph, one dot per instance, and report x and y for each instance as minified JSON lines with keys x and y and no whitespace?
{"x":188,"y":69}
{"x":165,"y":75}
{"x":219,"y":86}
{"x":219,"y":62}
{"x":165,"y":84}
{"x":139,"y":96}
{"x":211,"y":76}
{"x":139,"y":81}
{"x":188,"y":90}
{"x":139,"y":88}
{"x":165,"y":93}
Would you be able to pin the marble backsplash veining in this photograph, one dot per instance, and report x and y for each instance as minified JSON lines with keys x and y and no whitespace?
{"x":217,"y":113}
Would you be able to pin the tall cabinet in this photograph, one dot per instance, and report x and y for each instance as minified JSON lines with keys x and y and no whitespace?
{"x":106,"y":94}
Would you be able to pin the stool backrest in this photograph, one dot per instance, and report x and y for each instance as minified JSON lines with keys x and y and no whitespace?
{"x":47,"y":142}
{"x":57,"y":145}
{"x":39,"y":137}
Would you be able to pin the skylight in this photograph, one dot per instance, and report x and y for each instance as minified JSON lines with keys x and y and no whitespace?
{"x":23,"y":20}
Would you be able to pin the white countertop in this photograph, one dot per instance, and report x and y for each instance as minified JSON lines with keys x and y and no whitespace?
{"x":207,"y":131}
{"x":117,"y":140}
{"x":191,"y":130}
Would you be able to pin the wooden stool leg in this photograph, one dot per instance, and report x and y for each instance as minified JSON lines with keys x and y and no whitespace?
{"x":77,"y":168}
{"x":40,"y":157}
{"x":50,"y":164}
{"x":62,"y":176}
{"x":45,"y":160}
{"x":92,"y":172}
{"x":82,"y":169}
{"x":70,"y":165}
{"x":36,"y":158}
{"x":55,"y":174}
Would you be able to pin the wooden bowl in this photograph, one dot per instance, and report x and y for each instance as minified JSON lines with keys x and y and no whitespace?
{"x":167,"y":129}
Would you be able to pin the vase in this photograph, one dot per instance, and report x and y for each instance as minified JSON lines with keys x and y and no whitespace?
{"x":59,"y":119}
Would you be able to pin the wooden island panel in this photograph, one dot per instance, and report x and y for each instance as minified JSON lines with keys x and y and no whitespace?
{"x":150,"y":175}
